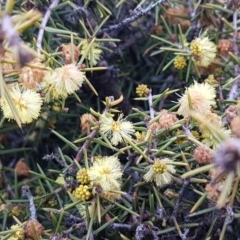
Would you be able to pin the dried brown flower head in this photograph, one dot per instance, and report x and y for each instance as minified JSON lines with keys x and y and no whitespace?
{"x":214,"y":190}
{"x":33,"y":229}
{"x":167,"y":119}
{"x":67,"y":53}
{"x":86,"y":123}
{"x":178,"y":16}
{"x":224,"y":46}
{"x":231,"y":112}
{"x":228,"y":155}
{"x":235,"y":126}
{"x":22,"y":168}
{"x":154,"y":127}
{"x":156,"y":29}
{"x":203,"y":155}
{"x":31,"y":76}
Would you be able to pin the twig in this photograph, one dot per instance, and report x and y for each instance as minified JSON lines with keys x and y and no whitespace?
{"x":67,"y":232}
{"x":233,"y":94}
{"x":85,"y":145}
{"x":178,"y":202}
{"x":144,"y":232}
{"x":91,"y":137}
{"x":58,"y":190}
{"x":44,"y":23}
{"x":26,"y":193}
{"x":195,"y":26}
{"x":187,"y":130}
{"x":150,"y":103}
{"x":119,"y":226}
{"x":136,"y":14}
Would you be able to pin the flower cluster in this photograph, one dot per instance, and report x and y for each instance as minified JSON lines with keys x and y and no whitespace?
{"x":30,"y":77}
{"x":82,"y":176}
{"x":82,"y":193}
{"x":27,"y":104}
{"x":118,"y":130}
{"x":142,"y":90}
{"x":199,"y":97}
{"x":203,"y":50}
{"x":161,"y":172}
{"x":104,"y":178}
{"x":180,"y":62}
{"x":107,"y":173}
{"x":61,"y":82}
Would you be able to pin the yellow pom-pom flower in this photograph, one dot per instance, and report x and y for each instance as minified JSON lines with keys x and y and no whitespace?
{"x":179,"y":63}
{"x":82,"y":176}
{"x":107,"y":173}
{"x":62,"y":82}
{"x":27,"y":102}
{"x":82,"y":193}
{"x":18,"y":234}
{"x":160,"y":172}
{"x":116,"y":130}
{"x":142,"y":90}
{"x":201,"y":98}
{"x":203,"y":50}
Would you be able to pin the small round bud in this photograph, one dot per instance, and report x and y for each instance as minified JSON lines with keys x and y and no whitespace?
{"x":224,"y":46}
{"x":33,"y":229}
{"x":214,"y":190}
{"x":142,"y":90}
{"x":203,"y":155}
{"x":154,"y":127}
{"x":82,"y":176}
{"x":86,"y":123}
{"x":156,"y":29}
{"x":67,"y":53}
{"x":82,"y":193}
{"x":22,"y":168}
{"x":179,"y":63}
{"x":167,"y":119}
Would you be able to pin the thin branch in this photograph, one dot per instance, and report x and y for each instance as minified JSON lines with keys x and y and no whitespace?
{"x":233,"y":94}
{"x":136,"y":14}
{"x":26,"y":193}
{"x":68,"y":231}
{"x":85,"y":145}
{"x":150,"y":103}
{"x":178,"y":202}
{"x":44,"y":23}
